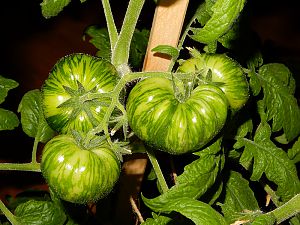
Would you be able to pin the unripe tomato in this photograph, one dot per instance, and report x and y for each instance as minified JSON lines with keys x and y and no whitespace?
{"x":76,"y":174}
{"x":65,"y":92}
{"x":162,"y":121}
{"x":226,"y":72}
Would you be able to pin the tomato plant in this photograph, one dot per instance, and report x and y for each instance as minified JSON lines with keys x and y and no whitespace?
{"x":217,"y":119}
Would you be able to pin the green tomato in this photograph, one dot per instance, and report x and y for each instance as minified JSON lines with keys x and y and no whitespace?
{"x":226,"y":72}
{"x":66,"y":92}
{"x":78,"y":175}
{"x":158,"y":118}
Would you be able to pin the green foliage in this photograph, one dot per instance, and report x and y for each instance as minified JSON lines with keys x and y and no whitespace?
{"x":239,"y":199}
{"x":32,"y":117}
{"x":264,"y":157}
{"x":196,"y":179}
{"x":8,"y":119}
{"x":224,"y":15}
{"x":279,"y":102}
{"x":99,"y":37}
{"x":35,"y":212}
{"x":51,"y":8}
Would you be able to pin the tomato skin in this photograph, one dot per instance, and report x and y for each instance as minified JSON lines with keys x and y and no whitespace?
{"x":78,"y":175}
{"x":159,"y":119}
{"x":224,"y":70}
{"x":95,"y":75}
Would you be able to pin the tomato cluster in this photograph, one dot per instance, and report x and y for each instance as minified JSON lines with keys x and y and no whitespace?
{"x":155,"y":114}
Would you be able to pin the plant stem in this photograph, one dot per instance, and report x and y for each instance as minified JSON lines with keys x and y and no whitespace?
{"x":33,"y":167}
{"x":120,"y":54}
{"x":111,"y":26}
{"x":287,"y":210}
{"x":12,"y":219}
{"x":158,"y":172}
{"x":273,"y":195}
{"x":34,"y":149}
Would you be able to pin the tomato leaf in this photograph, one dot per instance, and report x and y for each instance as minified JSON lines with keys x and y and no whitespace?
{"x":158,"y":220}
{"x":238,"y":199}
{"x":8,"y":120}
{"x":267,"y":158}
{"x":32,"y":117}
{"x":5,"y":86}
{"x":279,"y":102}
{"x":100,"y":39}
{"x":294,"y":152}
{"x":53,"y":7}
{"x":196,"y":179}
{"x":225,"y":14}
{"x":166,"y":49}
{"x":199,"y":212}
{"x":35,"y":212}
{"x":202,"y":14}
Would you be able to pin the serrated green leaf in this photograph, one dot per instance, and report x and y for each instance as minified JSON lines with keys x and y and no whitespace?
{"x":228,"y":38}
{"x":225,"y":14}
{"x":8,"y":120}
{"x":138,"y":47}
{"x":294,"y":152}
{"x":196,"y":179}
{"x":267,"y":158}
{"x":32,"y":117}
{"x":199,"y":212}
{"x":239,"y":198}
{"x":279,"y":103}
{"x":53,"y":7}
{"x":100,"y":39}
{"x":35,"y":212}
{"x":166,"y":49}
{"x":6,"y":85}
{"x":202,"y":14}
{"x":158,"y":220}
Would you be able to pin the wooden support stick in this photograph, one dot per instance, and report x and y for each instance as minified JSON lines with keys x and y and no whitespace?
{"x":166,"y":29}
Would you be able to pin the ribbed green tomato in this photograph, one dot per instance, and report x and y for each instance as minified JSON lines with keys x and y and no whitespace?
{"x":159,"y":119}
{"x":78,"y":175}
{"x":224,"y":70}
{"x":65,"y":93}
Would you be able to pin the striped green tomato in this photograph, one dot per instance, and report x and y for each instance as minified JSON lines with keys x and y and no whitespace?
{"x":158,"y":118}
{"x":78,"y":175}
{"x":67,"y":105}
{"x":225,"y":71}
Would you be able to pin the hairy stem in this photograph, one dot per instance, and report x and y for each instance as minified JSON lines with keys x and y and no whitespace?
{"x":120,"y":53}
{"x":111,"y":26}
{"x":158,"y":172}
{"x":12,"y":219}
{"x":287,"y":210}
{"x":32,"y":167}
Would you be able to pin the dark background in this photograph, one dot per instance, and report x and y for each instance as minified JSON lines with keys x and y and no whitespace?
{"x":30,"y":45}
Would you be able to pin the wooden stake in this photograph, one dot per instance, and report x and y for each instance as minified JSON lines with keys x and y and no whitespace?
{"x":166,"y":29}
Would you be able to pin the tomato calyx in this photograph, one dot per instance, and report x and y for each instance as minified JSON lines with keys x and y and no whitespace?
{"x":82,"y":100}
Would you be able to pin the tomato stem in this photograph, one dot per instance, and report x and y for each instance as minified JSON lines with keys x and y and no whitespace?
{"x":288,"y":210}
{"x":120,"y":53}
{"x":33,"y":167}
{"x":111,"y":26}
{"x":12,"y":219}
{"x":160,"y":177}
